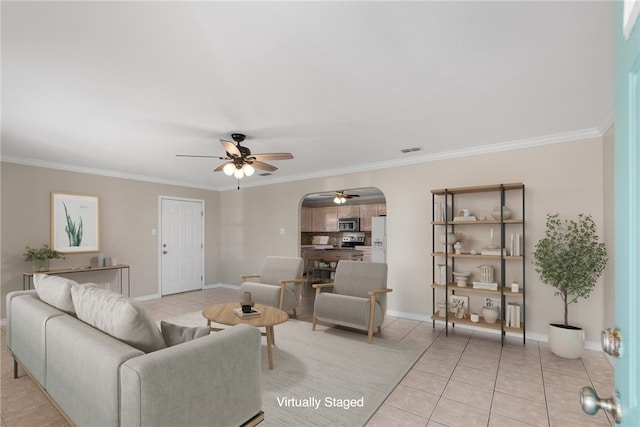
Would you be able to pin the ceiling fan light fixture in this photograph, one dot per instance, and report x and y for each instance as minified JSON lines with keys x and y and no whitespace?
{"x":248,"y":169}
{"x":339,"y":200}
{"x":228,"y":169}
{"x":238,"y":173}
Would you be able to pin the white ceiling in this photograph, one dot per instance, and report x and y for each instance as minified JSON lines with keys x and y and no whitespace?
{"x":121,"y":87}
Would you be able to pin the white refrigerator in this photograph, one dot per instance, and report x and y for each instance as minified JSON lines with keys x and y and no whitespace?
{"x":379,"y":239}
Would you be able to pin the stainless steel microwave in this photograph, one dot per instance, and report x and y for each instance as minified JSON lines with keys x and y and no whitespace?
{"x":349,"y":224}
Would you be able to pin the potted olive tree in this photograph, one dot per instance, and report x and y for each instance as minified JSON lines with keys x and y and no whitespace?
{"x":570,"y":258}
{"x":41,"y":256}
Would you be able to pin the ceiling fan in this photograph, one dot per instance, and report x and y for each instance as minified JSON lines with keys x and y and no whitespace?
{"x":240,"y":160}
{"x":340,"y":197}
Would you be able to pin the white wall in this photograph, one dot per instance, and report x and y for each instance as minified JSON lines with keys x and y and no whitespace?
{"x":566,"y":178}
{"x":128,"y":213}
{"x":243,"y":226}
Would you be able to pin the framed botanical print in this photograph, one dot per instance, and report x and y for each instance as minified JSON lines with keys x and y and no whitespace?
{"x":75,"y":223}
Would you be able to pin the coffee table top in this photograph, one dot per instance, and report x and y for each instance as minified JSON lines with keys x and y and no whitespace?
{"x":223,"y":313}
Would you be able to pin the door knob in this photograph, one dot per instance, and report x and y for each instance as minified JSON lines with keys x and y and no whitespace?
{"x":165,"y":252}
{"x":591,"y":403}
{"x":611,"y":340}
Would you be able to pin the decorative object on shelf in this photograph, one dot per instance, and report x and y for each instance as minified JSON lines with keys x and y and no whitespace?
{"x":571,"y":258}
{"x":461,"y":238}
{"x":490,"y":314}
{"x":442,"y":277}
{"x":247,"y":303}
{"x":447,"y":240}
{"x":475,"y":317}
{"x":41,"y":257}
{"x":486,"y":273}
{"x":506,"y":213}
{"x":494,"y":303}
{"x":461,"y":278}
{"x":75,"y":223}
{"x":515,"y":287}
{"x":458,"y":301}
{"x":442,"y":309}
{"x":461,"y":313}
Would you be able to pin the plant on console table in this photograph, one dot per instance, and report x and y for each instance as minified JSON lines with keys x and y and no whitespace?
{"x":41,"y":256}
{"x":571,"y":258}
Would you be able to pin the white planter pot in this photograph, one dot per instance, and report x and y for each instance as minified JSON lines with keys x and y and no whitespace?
{"x":567,"y":342}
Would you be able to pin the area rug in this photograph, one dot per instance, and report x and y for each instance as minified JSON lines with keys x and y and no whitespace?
{"x":327,"y":377}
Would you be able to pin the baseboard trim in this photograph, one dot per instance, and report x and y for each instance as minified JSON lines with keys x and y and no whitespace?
{"x":589,"y":345}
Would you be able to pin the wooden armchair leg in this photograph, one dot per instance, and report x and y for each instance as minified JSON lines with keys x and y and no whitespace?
{"x":372,"y":311}
{"x":313,"y":323}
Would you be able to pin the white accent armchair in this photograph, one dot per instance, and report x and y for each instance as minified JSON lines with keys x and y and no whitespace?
{"x":279,"y":283}
{"x":358,"y":297}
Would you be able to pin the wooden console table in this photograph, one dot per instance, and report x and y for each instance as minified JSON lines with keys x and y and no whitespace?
{"x":27,"y":277}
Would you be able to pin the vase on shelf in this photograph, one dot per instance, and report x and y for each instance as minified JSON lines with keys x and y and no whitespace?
{"x":41,"y":264}
{"x":506,"y":212}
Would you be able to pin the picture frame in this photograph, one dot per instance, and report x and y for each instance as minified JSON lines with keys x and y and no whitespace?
{"x":75,"y":223}
{"x":457,"y":301}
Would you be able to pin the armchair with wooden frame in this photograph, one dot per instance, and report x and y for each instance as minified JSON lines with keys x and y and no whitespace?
{"x":357,"y":298}
{"x":279,"y":284}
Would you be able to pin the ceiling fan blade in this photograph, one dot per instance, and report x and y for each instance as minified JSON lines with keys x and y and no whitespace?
{"x":264,"y":166}
{"x":273,"y":156}
{"x":219,"y":168}
{"x":230,"y":148}
{"x":192,"y":155}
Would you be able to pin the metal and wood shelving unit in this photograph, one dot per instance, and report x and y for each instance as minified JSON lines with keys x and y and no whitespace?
{"x":443,"y":222}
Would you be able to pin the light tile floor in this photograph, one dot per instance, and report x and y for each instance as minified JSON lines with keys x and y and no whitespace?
{"x":465,"y":379}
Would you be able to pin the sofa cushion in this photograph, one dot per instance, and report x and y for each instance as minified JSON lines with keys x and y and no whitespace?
{"x":121,"y":317}
{"x":55,"y":291}
{"x":176,"y":334}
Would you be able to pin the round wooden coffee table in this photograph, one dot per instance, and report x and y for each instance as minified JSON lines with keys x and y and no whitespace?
{"x":268,"y":318}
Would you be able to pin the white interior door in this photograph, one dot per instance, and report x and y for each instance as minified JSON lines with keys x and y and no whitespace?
{"x":181,"y":245}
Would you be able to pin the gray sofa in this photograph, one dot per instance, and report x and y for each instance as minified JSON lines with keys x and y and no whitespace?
{"x":98,"y":380}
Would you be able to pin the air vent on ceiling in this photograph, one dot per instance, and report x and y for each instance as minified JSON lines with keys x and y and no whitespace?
{"x":265,"y":174}
{"x":411,"y":149}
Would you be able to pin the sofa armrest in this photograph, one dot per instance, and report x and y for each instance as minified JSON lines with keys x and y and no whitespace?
{"x":249,"y":276}
{"x":210,"y":380}
{"x":9,"y":299}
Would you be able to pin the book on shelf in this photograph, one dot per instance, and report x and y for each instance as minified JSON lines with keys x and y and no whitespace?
{"x":498,"y":252}
{"x":464,"y":218}
{"x":513,"y":315}
{"x":515,"y":245}
{"x":238,"y":312}
{"x":485,"y":285}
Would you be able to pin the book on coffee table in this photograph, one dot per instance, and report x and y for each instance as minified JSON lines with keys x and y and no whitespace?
{"x":238,"y":312}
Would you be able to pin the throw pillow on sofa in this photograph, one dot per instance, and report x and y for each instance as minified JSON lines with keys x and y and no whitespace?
{"x":176,"y":334}
{"x":121,"y":317}
{"x":55,"y":291}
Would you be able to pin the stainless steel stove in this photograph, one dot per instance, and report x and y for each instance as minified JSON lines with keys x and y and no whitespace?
{"x":352,"y":239}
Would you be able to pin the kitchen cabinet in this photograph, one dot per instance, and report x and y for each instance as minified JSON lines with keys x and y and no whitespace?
{"x":306,"y":219}
{"x":349,"y":211}
{"x":369,"y":211}
{"x":325,"y":219}
{"x":500,"y":207}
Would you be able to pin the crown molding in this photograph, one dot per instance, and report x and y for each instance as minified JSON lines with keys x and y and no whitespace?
{"x":100,"y":172}
{"x":367,"y":167}
{"x":445,"y":155}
